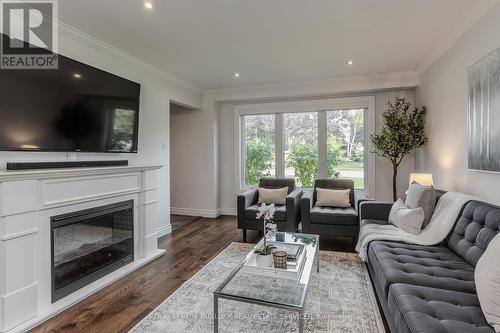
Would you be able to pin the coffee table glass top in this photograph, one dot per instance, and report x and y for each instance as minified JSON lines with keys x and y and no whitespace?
{"x":273,"y":290}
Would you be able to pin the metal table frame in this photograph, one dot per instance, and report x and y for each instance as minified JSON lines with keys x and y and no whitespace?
{"x":300,"y":309}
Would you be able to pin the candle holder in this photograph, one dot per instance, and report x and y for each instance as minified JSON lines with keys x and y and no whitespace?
{"x":280,"y":259}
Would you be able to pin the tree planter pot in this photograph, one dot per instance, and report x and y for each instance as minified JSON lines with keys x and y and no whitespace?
{"x":264,"y":260}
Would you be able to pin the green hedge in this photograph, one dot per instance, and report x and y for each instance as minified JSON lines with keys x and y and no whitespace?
{"x":259,"y":160}
{"x":304,"y":159}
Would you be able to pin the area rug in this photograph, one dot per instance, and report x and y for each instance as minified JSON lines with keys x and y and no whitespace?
{"x":340,"y":299}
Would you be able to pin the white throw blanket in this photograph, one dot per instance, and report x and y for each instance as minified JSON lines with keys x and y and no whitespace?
{"x":443,"y":219}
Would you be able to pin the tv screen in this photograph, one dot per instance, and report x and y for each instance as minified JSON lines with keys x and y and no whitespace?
{"x":73,"y":108}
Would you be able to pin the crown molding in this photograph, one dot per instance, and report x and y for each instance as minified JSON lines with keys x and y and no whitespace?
{"x":339,"y":85}
{"x":462,"y":27}
{"x":101,"y":46}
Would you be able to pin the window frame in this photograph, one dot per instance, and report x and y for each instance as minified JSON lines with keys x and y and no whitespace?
{"x":316,"y":105}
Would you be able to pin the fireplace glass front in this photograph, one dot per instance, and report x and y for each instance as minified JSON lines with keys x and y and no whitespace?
{"x":89,"y":244}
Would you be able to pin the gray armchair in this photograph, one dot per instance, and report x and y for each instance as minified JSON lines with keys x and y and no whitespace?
{"x":331,"y":221}
{"x":287,"y":217}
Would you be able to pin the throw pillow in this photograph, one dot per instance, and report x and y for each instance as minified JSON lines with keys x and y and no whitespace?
{"x":422,"y":196}
{"x":273,"y":196}
{"x":487,"y":278}
{"x":332,"y":198}
{"x":406,"y":219}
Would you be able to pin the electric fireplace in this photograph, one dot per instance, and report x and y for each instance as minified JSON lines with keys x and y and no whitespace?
{"x":89,"y":244}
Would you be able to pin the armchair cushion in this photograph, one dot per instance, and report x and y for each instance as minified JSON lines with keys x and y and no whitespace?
{"x":335,"y":184}
{"x":334,"y":216}
{"x":279,"y":213}
{"x":333,"y":198}
{"x":273,"y":196}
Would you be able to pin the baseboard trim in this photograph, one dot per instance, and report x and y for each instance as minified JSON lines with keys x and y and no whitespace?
{"x":165,"y":230}
{"x":207,"y":213}
{"x":228,"y":211}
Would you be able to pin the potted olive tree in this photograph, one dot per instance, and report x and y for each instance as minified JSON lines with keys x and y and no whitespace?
{"x":264,"y":254}
{"x":403,"y":132}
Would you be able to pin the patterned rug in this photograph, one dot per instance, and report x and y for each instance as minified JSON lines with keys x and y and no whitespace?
{"x":340,"y":299}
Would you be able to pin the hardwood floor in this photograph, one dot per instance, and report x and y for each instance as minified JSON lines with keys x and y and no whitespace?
{"x":178,"y":221}
{"x":121,"y":305}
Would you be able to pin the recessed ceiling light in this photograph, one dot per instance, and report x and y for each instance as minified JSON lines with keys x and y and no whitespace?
{"x":236,"y":75}
{"x":350,"y":62}
{"x":77,"y":76}
{"x":148,"y":4}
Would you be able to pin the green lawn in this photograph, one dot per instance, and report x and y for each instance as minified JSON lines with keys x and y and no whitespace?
{"x":355,"y":166}
{"x":359,"y":183}
{"x":352,"y":166}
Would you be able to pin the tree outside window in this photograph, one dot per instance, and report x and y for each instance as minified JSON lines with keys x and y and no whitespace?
{"x":259,"y":147}
{"x":344,"y":142}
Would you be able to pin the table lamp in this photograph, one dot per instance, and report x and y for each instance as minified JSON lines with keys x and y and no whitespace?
{"x":422,"y":179}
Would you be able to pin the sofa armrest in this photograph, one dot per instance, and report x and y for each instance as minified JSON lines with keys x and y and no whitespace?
{"x":374,"y":210}
{"x":245,"y":200}
{"x":359,"y":197}
{"x":293,"y":210}
{"x":306,"y":205}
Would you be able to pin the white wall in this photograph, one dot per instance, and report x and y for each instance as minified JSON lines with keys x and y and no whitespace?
{"x":443,"y":90}
{"x":189,"y":130}
{"x":193,"y":191}
{"x":157,"y":89}
{"x":383,"y":168}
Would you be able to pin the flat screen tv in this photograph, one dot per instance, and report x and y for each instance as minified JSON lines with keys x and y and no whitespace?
{"x":73,"y":108}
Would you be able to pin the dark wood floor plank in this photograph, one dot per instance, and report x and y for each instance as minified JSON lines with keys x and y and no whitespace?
{"x":121,"y":305}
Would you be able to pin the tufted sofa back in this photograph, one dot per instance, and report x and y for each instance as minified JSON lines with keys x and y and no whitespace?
{"x":476,"y":226}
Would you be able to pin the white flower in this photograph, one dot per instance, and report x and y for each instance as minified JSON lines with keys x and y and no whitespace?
{"x":272,"y":226}
{"x":266,"y":212}
{"x":271,"y":211}
{"x":262,"y":211}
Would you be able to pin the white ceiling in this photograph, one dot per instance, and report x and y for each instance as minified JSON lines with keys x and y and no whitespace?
{"x":204,"y":42}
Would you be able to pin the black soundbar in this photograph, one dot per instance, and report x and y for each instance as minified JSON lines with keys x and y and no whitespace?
{"x":65,"y":164}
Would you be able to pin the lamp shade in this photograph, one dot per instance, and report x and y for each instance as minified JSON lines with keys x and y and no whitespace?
{"x":422,"y":178}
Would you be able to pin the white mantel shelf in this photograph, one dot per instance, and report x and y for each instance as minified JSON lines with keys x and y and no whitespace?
{"x":28,"y":200}
{"x":7,"y":175}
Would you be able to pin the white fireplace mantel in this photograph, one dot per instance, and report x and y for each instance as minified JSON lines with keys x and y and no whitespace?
{"x":27,"y":201}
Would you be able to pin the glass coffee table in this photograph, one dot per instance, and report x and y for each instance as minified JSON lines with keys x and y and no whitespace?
{"x":274,"y":291}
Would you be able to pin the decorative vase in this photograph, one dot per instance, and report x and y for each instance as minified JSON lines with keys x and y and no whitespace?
{"x":264,"y":260}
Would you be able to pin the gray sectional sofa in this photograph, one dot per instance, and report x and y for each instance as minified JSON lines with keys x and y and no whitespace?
{"x":431,"y":288}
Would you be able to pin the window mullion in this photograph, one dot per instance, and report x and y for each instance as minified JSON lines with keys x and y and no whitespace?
{"x":242,"y":143}
{"x":322,"y":145}
{"x":280,"y":145}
